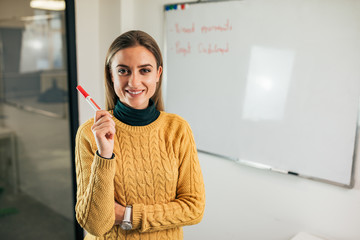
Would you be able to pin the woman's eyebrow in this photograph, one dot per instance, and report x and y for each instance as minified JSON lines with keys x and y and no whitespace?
{"x":140,"y":66}
{"x":122,"y":65}
{"x":145,"y":65}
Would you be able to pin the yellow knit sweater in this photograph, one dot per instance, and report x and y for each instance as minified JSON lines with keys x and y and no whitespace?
{"x":155,"y":169}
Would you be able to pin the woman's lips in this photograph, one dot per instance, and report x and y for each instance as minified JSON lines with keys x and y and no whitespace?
{"x":134,"y":92}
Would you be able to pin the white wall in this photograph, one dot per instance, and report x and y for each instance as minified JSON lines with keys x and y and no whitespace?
{"x":242,"y":202}
{"x":97,"y":25}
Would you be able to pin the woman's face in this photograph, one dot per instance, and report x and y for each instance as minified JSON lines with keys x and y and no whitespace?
{"x":135,"y":75}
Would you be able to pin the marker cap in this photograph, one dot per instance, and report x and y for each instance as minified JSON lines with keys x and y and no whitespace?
{"x":82,"y":91}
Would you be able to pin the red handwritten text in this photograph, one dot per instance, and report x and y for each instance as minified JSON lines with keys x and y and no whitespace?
{"x":183,"y":50}
{"x":180,"y":29}
{"x":213,"y":48}
{"x":222,"y":28}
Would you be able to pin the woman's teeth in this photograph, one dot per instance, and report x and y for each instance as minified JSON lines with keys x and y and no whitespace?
{"x":134,"y":92}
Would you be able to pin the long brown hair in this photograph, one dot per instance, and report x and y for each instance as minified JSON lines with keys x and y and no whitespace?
{"x":125,"y":40}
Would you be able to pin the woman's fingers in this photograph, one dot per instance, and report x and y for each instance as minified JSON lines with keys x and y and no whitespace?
{"x":104,"y":132}
{"x":102,"y":116}
{"x":103,"y":119}
{"x":103,"y":123}
{"x":101,"y":113}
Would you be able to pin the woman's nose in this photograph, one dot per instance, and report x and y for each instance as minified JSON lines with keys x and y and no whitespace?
{"x":134,"y":80}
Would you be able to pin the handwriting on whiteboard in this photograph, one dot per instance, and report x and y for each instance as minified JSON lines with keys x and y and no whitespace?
{"x":184,"y":50}
{"x":182,"y":29}
{"x":213,"y":48}
{"x":202,"y":48}
{"x":186,"y":46}
{"x":223,"y":27}
{"x":217,"y":28}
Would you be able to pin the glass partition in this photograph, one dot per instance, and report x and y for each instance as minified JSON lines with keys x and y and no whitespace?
{"x":36,"y":184}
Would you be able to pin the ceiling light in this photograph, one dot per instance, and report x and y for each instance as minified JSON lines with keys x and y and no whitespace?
{"x":53,"y":5}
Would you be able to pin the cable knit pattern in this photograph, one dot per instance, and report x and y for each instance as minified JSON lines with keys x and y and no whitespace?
{"x":155,"y":169}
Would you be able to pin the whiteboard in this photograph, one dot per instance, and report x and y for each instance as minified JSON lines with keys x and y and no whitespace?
{"x":273,"y":83}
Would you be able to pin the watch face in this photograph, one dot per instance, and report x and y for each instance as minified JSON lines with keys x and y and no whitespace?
{"x":126,"y":225}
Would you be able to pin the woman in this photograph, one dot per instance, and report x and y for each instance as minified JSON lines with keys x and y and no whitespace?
{"x":135,"y":159}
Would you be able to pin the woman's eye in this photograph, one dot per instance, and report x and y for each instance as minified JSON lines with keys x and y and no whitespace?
{"x":123,"y":71}
{"x":145,"y":70}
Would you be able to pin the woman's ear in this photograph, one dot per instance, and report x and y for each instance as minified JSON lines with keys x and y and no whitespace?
{"x":159,"y":71}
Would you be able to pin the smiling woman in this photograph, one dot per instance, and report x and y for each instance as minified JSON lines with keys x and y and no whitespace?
{"x":139,"y":162}
{"x":127,"y":42}
{"x":135,"y":75}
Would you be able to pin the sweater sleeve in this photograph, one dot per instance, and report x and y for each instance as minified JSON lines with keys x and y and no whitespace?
{"x":189,"y":205}
{"x":95,"y":185}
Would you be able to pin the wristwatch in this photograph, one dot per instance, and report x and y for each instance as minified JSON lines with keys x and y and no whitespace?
{"x":126,"y":223}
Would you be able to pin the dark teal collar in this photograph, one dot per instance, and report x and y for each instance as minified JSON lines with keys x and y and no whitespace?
{"x":136,"y":117}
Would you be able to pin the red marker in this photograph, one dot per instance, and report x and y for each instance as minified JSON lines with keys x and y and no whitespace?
{"x":88,"y":98}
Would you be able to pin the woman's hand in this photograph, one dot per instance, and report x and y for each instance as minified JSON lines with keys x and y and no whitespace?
{"x":119,"y":213}
{"x":104,"y":132}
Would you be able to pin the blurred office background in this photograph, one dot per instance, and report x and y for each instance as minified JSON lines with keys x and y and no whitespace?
{"x":36,"y":184}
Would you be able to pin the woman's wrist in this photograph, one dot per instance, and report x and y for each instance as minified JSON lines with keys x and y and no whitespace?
{"x":106,"y":156}
{"x":119,"y":213}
